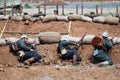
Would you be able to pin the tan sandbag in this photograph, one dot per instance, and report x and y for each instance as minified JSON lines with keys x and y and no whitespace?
{"x":11,"y":40}
{"x":99,"y":19}
{"x":88,"y":38}
{"x":2,"y":41}
{"x":33,"y":40}
{"x":62,"y":18}
{"x":111,"y":20}
{"x":86,"y":18}
{"x":116,"y":40}
{"x":27,"y":17}
{"x":74,"y":17}
{"x":33,"y":19}
{"x":49,"y":37}
{"x":39,"y":18}
{"x":17,"y":18}
{"x":2,"y":17}
{"x":49,"y":18}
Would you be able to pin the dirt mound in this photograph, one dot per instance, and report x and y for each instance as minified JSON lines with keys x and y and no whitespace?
{"x":9,"y":62}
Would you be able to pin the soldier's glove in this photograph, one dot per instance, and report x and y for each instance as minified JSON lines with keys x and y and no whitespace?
{"x":63,"y":51}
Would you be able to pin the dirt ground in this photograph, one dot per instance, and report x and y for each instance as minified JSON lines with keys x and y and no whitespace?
{"x":10,"y":68}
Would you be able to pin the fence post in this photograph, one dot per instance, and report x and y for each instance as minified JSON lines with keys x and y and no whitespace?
{"x":116,"y":9}
{"x":101,"y":9}
{"x":62,"y":9}
{"x":45,"y":9}
{"x":4,"y":7}
{"x":76,"y":9}
{"x":97,"y":9}
{"x":82,"y":9}
{"x":38,"y":8}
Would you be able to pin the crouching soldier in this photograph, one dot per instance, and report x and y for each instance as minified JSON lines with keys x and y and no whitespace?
{"x":102,"y":45}
{"x":68,"y":51}
{"x":25,"y":52}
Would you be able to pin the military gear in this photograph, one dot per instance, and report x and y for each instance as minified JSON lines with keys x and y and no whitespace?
{"x":63,"y":51}
{"x":24,"y":36}
{"x":105,"y":34}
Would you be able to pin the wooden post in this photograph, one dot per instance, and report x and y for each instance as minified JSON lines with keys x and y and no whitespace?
{"x":45,"y":9}
{"x":97,"y":9}
{"x":63,"y":10}
{"x":12,"y":10}
{"x":57,"y":8}
{"x":101,"y":9}
{"x":82,"y":9}
{"x":116,"y":9}
{"x":38,"y":8}
{"x":4,"y":7}
{"x":76,"y":9}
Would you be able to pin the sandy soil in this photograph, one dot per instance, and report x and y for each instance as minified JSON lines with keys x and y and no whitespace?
{"x":10,"y":68}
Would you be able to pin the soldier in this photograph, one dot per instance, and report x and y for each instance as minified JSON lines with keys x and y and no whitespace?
{"x":68,"y":51}
{"x":26,"y":53}
{"x":102,"y":46}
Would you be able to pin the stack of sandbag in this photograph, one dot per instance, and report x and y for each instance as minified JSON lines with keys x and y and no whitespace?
{"x":86,"y":18}
{"x":99,"y":19}
{"x":17,"y":18}
{"x":62,"y":18}
{"x":111,"y":20}
{"x":2,"y":17}
{"x":11,"y":40}
{"x":49,"y":37}
{"x":2,"y":41}
{"x":49,"y":18}
{"x":74,"y":17}
{"x":29,"y":18}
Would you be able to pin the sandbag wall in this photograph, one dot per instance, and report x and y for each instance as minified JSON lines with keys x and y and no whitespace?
{"x":73,"y":17}
{"x":53,"y":37}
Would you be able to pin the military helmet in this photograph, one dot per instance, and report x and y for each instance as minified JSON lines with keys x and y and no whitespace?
{"x":105,"y":34}
{"x":24,"y":36}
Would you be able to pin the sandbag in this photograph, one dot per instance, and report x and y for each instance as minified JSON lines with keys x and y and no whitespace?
{"x":88,"y":38}
{"x":74,"y":17}
{"x":2,"y":17}
{"x":33,"y":40}
{"x":49,"y":37}
{"x":30,"y":18}
{"x":11,"y":40}
{"x":116,"y":40}
{"x":69,"y":38}
{"x":17,"y":18}
{"x":62,"y":18}
{"x":27,"y":17}
{"x":86,"y":18}
{"x":33,"y":19}
{"x":111,"y":20}
{"x":99,"y":19}
{"x":49,"y":18}
{"x":2,"y":41}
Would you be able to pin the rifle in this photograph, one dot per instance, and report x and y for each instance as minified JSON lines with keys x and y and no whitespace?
{"x":80,"y":42}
